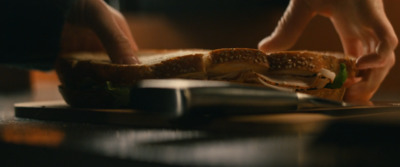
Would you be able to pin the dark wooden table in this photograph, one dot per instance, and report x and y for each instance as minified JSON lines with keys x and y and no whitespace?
{"x":298,"y":139}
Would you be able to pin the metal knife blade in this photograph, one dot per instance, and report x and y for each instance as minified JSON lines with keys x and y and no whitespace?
{"x":180,"y":97}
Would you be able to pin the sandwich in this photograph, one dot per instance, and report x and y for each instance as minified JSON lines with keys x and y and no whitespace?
{"x":91,"y":80}
{"x":321,"y":74}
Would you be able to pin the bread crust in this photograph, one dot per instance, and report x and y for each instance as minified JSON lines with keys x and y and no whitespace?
{"x":75,"y":69}
{"x":240,"y":55}
{"x":189,"y":67}
{"x":303,"y":61}
{"x":311,"y":61}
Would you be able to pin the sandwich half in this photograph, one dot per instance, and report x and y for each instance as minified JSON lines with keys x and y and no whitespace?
{"x":91,"y":80}
{"x":320,"y":74}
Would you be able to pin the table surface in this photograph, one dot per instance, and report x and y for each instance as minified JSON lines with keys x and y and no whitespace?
{"x":298,"y":139}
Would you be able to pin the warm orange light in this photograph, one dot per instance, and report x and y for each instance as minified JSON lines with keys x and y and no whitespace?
{"x":31,"y":135}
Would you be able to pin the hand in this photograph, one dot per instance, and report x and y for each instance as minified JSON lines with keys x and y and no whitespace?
{"x":363,"y":28}
{"x":110,"y":27}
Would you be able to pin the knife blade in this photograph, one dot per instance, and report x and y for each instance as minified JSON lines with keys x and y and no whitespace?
{"x":181,"y":97}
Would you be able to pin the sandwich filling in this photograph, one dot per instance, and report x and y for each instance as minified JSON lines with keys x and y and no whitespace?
{"x":295,"y":81}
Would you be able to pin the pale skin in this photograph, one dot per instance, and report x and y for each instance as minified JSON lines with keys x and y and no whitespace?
{"x":363,"y":28}
{"x":109,"y":26}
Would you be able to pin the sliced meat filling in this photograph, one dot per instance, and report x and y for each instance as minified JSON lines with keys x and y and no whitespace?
{"x":298,"y":82}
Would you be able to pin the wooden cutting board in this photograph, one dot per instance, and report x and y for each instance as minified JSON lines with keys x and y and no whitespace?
{"x":305,"y":120}
{"x":60,"y":111}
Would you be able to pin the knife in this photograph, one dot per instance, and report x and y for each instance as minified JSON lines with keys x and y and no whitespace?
{"x":180,"y":97}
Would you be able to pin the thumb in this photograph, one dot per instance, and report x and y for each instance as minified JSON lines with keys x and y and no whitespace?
{"x":289,"y":28}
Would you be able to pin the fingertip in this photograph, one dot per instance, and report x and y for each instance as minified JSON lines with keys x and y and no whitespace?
{"x":263,"y":45}
{"x":351,"y":81}
{"x":133,"y":60}
{"x":124,"y":56}
{"x":129,"y":60}
{"x":355,"y":95}
{"x":274,"y":43}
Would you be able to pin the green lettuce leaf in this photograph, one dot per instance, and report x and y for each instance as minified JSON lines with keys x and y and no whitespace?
{"x":121,"y":94}
{"x":339,"y":79}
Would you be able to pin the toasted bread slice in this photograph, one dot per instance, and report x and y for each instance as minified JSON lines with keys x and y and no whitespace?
{"x":81,"y":68}
{"x":305,"y":62}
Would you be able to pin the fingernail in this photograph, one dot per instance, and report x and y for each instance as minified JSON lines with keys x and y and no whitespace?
{"x":135,"y":60}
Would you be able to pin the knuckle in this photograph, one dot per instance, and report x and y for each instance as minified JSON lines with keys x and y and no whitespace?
{"x":386,"y":60}
{"x":391,"y":61}
{"x":392,"y":41}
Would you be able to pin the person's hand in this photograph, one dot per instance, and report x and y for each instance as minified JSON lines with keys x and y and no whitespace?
{"x":363,"y":28}
{"x":109,"y":26}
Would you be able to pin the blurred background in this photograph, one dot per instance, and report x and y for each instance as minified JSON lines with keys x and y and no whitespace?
{"x":211,"y":24}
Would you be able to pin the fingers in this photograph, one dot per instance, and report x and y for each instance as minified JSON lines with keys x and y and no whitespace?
{"x":290,"y":27}
{"x":360,"y":92}
{"x":364,"y":31}
{"x":382,"y":54}
{"x":124,"y":26}
{"x":352,"y":46}
{"x":351,"y":81}
{"x":386,"y":41}
{"x":364,"y":90}
{"x":355,"y":40}
{"x":111,"y":28}
{"x":369,"y":36}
